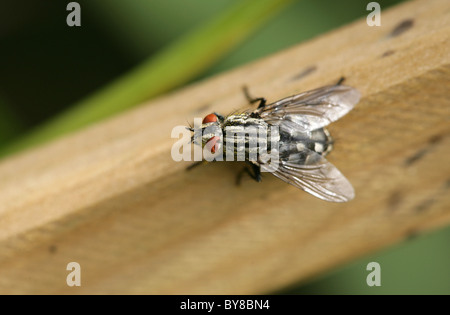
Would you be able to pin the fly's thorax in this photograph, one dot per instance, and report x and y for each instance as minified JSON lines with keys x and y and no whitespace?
{"x":246,"y":137}
{"x":239,"y":137}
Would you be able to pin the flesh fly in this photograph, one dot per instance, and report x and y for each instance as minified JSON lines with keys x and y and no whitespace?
{"x":302,"y":142}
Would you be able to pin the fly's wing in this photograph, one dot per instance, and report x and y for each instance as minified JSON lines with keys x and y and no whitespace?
{"x":311,"y":110}
{"x":312,"y":173}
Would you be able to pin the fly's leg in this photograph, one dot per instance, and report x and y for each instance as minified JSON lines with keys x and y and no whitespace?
{"x":340,"y":81}
{"x":256,"y":175}
{"x":262,"y":101}
{"x":257,"y":172}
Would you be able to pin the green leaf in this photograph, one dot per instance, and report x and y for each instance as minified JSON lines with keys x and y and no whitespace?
{"x":180,"y":62}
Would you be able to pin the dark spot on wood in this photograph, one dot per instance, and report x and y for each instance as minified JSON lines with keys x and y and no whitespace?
{"x":394,"y":200}
{"x":52,"y":249}
{"x":402,"y":27}
{"x":447,"y":184}
{"x":424,"y":205}
{"x":435,"y":139}
{"x":304,"y":73}
{"x":416,"y":157}
{"x":387,"y":53}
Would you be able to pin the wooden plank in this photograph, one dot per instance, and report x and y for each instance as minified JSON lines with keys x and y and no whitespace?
{"x":111,"y":198}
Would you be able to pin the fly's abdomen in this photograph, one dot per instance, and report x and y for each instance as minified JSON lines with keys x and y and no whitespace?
{"x":321,"y":141}
{"x":295,"y":146}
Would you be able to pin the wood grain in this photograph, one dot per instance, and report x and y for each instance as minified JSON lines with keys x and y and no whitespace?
{"x":111,"y":198}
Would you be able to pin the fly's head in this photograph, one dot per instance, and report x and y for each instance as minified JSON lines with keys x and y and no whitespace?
{"x":209,"y":133}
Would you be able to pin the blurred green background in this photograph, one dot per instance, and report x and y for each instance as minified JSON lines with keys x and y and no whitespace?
{"x":56,"y":79}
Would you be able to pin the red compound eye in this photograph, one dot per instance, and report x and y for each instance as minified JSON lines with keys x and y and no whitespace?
{"x":213,"y":144}
{"x":209,"y":118}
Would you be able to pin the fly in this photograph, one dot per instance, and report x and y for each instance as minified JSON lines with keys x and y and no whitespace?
{"x":302,"y":141}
